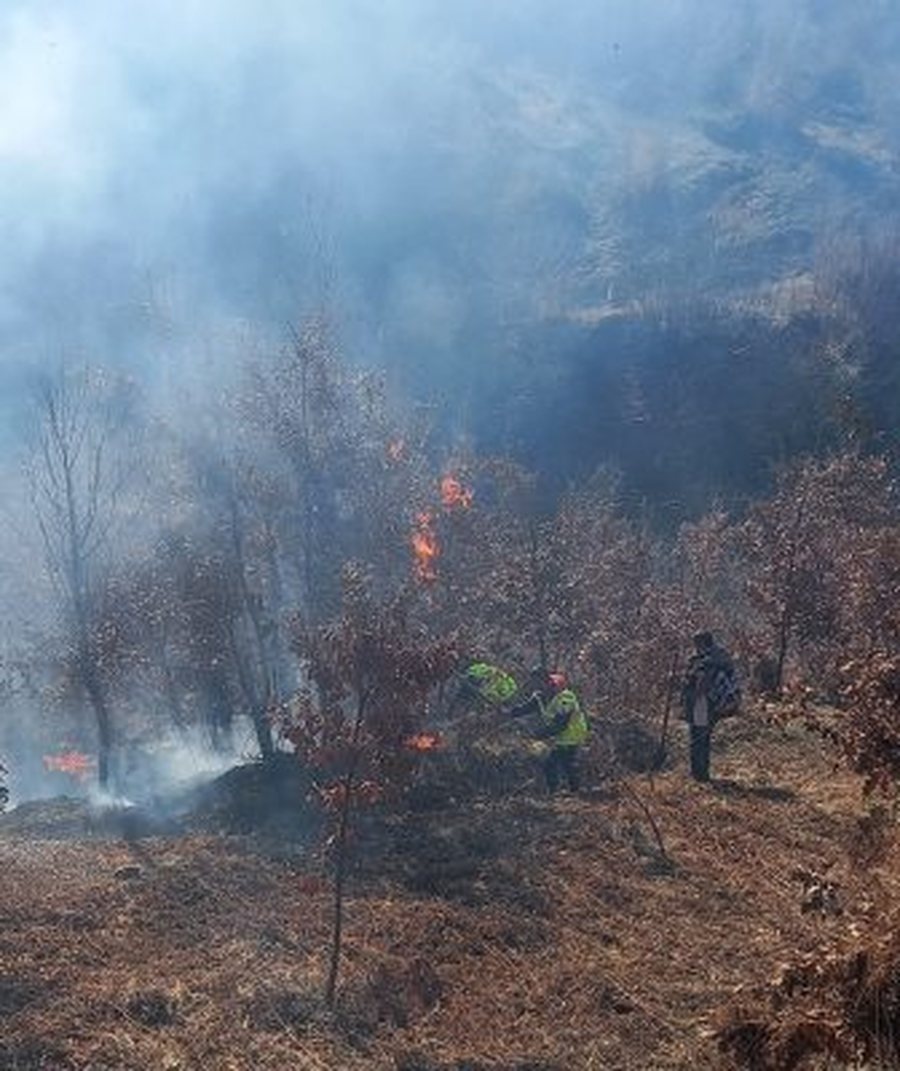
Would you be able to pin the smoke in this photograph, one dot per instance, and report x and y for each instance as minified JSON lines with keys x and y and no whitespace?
{"x":471,"y":189}
{"x":173,"y":171}
{"x":177,"y":762}
{"x":153,"y":773}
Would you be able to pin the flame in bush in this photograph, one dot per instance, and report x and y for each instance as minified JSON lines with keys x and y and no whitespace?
{"x":424,"y":742}
{"x":74,"y":763}
{"x":454,"y":495}
{"x":426,"y":548}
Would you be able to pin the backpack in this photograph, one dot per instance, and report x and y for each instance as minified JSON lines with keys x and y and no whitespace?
{"x":724,"y":692}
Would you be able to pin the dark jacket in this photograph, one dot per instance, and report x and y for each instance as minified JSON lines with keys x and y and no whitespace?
{"x":710,"y":673}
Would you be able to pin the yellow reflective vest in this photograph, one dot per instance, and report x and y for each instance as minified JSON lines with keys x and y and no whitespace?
{"x":576,"y":729}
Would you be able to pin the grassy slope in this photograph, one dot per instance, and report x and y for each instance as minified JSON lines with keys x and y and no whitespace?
{"x":518,"y":934}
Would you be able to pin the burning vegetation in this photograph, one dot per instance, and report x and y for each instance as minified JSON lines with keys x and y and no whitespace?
{"x":424,"y":742}
{"x":73,"y":763}
{"x":291,"y":599}
{"x":425,"y":547}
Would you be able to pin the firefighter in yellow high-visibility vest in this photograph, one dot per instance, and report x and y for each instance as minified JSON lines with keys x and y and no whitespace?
{"x":563,"y":726}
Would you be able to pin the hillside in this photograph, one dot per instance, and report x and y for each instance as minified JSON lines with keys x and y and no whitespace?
{"x":503,"y":209}
{"x":518,"y":934}
{"x":613,"y":247}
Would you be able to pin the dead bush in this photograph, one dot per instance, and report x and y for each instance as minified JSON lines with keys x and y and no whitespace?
{"x":844,"y":1008}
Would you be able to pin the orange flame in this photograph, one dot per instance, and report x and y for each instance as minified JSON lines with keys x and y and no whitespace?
{"x":453,"y":494}
{"x":73,"y":763}
{"x":426,"y":548}
{"x":424,"y":742}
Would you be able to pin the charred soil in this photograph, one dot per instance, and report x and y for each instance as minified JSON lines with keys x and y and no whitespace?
{"x":510,"y":934}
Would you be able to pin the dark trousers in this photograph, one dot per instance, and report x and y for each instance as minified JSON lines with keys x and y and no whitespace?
{"x":701,"y":738}
{"x":561,"y":763}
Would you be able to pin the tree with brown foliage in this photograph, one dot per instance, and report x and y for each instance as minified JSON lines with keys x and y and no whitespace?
{"x":167,"y":630}
{"x":369,"y":673}
{"x":346,"y":467}
{"x":802,"y":549}
{"x":866,"y":728}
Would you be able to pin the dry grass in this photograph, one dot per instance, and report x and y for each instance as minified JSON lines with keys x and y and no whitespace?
{"x":521,"y":934}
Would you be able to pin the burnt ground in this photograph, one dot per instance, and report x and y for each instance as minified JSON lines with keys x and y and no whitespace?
{"x":516,"y":934}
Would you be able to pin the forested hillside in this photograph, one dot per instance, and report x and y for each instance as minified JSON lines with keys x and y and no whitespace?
{"x":344,"y":349}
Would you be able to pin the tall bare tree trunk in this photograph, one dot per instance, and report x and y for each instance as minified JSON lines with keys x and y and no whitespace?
{"x":77,"y":477}
{"x":96,"y":698}
{"x":340,"y":858}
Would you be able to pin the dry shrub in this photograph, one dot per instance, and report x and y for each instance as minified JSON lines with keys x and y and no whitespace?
{"x":869,"y":736}
{"x":842,"y":1007}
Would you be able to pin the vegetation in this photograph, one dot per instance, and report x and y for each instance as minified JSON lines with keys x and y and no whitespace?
{"x":246,"y":526}
{"x":587,"y":343}
{"x":312,"y":563}
{"x":369,"y":675}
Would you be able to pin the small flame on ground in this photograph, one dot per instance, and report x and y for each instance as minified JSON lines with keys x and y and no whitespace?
{"x":424,"y":742}
{"x":454,"y":495}
{"x":74,"y":763}
{"x":426,"y":548}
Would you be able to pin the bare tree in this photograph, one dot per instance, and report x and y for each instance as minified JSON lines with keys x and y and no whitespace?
{"x":78,"y":475}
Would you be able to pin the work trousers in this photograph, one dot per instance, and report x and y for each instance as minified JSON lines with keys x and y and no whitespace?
{"x":701,"y":739}
{"x":560,"y":764}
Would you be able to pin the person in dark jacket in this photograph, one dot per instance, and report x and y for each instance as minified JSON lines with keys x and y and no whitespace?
{"x":709,"y":692}
{"x":563,"y":725}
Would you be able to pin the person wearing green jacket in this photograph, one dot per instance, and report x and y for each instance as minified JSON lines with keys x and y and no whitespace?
{"x":488,"y":686}
{"x":563,"y":725}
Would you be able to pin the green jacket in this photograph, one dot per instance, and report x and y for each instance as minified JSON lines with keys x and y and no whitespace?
{"x":492,"y":684}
